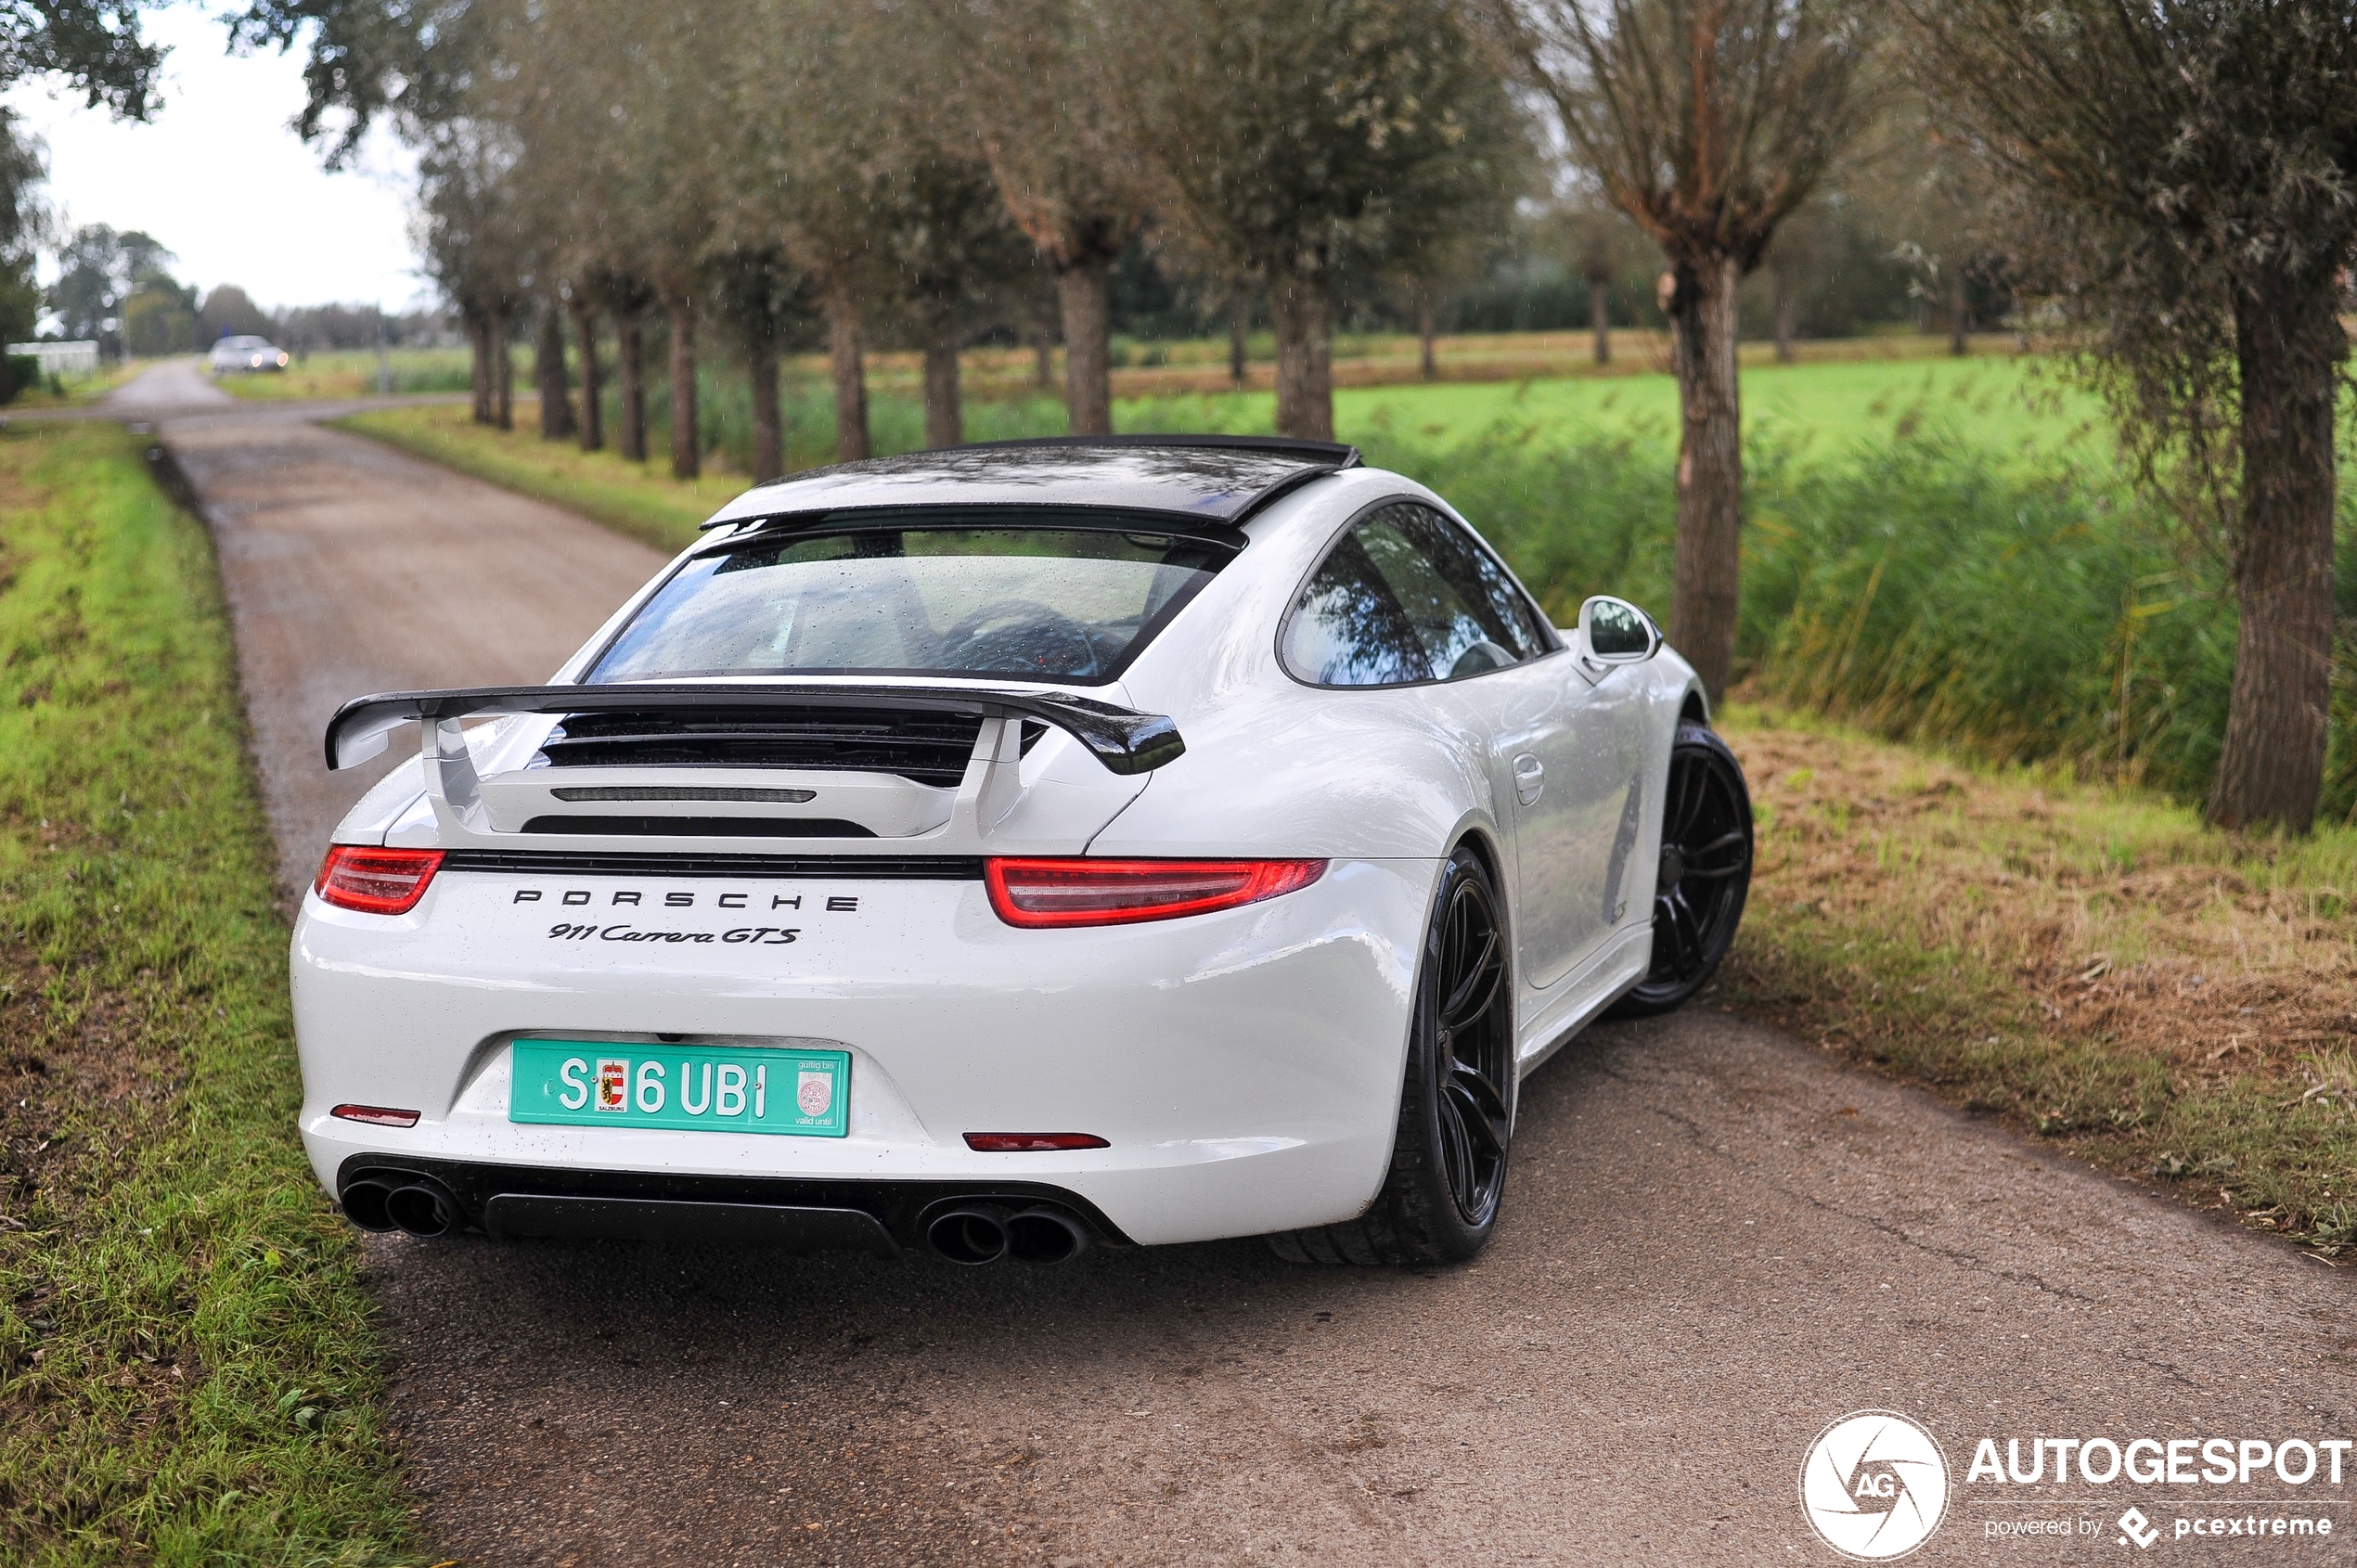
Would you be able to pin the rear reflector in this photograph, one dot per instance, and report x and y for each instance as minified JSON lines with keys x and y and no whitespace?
{"x":376,"y":1116}
{"x":376,"y":881}
{"x":1112,"y":892}
{"x":1031,"y":1143}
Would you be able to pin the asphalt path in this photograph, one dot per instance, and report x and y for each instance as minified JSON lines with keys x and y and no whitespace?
{"x":1714,"y":1244}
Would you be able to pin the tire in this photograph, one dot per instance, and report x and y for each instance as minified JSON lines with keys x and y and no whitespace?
{"x":1439,"y":1201}
{"x":1705,"y":873}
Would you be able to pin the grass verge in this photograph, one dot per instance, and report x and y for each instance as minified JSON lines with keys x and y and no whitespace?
{"x":639,"y":500}
{"x":2087,"y":962}
{"x":188,"y":1368}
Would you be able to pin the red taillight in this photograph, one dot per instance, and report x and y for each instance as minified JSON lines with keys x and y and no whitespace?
{"x":376,"y":1116}
{"x":1032,"y":1143}
{"x":1112,"y":892}
{"x":376,"y":881}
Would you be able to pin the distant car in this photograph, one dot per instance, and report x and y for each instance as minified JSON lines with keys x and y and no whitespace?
{"x":868,"y":821}
{"x":243,"y":355}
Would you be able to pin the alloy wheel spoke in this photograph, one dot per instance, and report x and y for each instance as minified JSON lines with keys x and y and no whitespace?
{"x":1471,"y":995}
{"x":1689,"y":928}
{"x":1455,"y":1151}
{"x":1480,"y":1093}
{"x":1686,"y":791}
{"x":1485,"y":1131}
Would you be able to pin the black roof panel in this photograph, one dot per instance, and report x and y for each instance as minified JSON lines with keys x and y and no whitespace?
{"x":1216,"y":479}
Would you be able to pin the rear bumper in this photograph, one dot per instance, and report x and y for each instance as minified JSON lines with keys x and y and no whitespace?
{"x":883,"y":1218}
{"x":1244,"y":1067}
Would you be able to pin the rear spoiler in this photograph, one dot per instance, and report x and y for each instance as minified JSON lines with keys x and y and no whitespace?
{"x":1127,"y":742}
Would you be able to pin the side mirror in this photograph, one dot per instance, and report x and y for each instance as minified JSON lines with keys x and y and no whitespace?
{"x":1614,"y":632}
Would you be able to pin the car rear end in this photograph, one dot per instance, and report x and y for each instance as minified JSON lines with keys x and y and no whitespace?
{"x":839,"y":971}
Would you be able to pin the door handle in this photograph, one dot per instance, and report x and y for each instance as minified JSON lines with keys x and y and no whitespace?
{"x":1530,"y":779}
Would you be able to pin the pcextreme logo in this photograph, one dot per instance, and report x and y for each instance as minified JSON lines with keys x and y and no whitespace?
{"x":1874,"y":1486}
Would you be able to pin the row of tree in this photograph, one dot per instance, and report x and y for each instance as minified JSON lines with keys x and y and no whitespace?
{"x":916,"y":169}
{"x":2175,"y":181}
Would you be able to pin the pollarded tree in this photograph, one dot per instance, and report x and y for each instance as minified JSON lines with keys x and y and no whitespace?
{"x":2185,"y":175}
{"x":476,"y":250}
{"x":1709,"y":123}
{"x":1291,"y":140}
{"x":1029,"y":85}
{"x":819,"y":92}
{"x":955,"y":261}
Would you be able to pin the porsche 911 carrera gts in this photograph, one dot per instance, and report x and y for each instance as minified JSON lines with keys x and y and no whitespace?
{"x":1008,"y":850}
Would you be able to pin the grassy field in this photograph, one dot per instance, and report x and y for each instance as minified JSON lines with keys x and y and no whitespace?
{"x":2002,"y":401}
{"x":188,"y":1369}
{"x":353,"y":373}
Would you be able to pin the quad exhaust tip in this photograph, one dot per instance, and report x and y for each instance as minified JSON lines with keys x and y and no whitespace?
{"x":983,"y":1231}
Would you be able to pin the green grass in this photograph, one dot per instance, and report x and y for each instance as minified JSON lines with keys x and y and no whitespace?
{"x":189,"y":1372}
{"x":353,"y":373}
{"x":1819,"y":411}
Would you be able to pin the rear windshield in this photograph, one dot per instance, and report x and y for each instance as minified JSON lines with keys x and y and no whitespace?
{"x":1050,"y":601}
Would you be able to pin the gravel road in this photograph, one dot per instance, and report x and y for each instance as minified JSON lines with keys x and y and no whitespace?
{"x":1715,"y":1243}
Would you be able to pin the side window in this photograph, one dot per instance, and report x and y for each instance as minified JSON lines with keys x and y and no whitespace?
{"x":1406,"y":596}
{"x":1349,"y":630}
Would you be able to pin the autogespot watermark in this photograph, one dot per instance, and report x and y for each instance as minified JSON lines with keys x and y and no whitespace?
{"x":1876,"y":1486}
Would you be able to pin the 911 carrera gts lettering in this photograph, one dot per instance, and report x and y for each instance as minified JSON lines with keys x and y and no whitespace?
{"x":764,"y":936}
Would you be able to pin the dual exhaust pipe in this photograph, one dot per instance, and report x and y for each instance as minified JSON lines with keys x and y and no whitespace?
{"x":418,"y":1206}
{"x":983,"y":1231}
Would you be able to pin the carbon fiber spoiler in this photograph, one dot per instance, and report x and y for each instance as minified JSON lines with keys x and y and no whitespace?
{"x":1127,"y":742}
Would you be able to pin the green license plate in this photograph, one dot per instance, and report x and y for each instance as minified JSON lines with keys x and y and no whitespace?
{"x":685,"y":1088}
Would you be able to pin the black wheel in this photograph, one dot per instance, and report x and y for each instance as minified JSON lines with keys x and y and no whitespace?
{"x":1705,"y":872}
{"x":1439,"y":1201}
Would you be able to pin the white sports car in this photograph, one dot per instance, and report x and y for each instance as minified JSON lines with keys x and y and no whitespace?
{"x":1010,"y":849}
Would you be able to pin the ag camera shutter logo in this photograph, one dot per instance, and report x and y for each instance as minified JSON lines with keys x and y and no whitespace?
{"x":1875,"y":1485}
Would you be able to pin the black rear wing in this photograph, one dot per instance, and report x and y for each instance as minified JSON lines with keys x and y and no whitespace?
{"x":1125,"y":742}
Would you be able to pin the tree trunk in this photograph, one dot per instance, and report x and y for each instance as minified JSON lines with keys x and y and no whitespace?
{"x":1046,"y":315}
{"x":1710,"y":469}
{"x":630,"y":348}
{"x":503,"y":370}
{"x":1600,"y":316}
{"x":479,"y":365}
{"x":1787,"y":314}
{"x":593,"y":387}
{"x":945,"y":418}
{"x":850,"y":376}
{"x":769,"y":425}
{"x":1425,"y":331}
{"x":686,"y":440}
{"x":548,"y":374}
{"x":1084,"y":290}
{"x":2288,"y":345}
{"x":1959,"y":312}
{"x":1302,"y":306}
{"x":1240,"y":337}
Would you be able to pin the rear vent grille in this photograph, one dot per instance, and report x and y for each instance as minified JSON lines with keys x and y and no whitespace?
{"x":928,"y":748}
{"x":704,"y":826}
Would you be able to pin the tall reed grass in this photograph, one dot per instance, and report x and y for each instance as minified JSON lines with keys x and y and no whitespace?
{"x":1928,"y":589}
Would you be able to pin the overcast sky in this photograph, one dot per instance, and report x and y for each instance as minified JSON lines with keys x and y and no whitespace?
{"x":218,"y":177}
